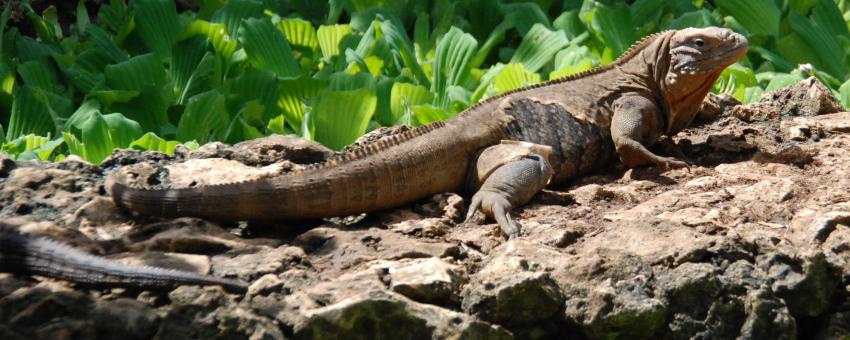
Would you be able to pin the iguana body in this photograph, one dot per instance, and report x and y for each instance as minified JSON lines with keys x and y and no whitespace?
{"x":655,"y":88}
{"x":28,"y":255}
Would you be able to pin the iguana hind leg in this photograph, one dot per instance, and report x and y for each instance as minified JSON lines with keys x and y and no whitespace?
{"x":510,"y":174}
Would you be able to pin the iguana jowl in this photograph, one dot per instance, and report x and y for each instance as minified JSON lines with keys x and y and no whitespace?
{"x":656,"y":88}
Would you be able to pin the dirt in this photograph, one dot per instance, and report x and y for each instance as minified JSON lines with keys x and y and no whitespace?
{"x":750,"y":241}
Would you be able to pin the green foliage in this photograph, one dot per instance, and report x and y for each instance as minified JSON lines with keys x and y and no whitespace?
{"x":144,"y":74}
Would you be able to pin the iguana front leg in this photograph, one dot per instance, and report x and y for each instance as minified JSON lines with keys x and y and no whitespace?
{"x":511,"y":174}
{"x":637,"y":123}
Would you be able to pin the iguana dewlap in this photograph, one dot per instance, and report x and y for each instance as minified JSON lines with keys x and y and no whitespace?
{"x":656,"y":88}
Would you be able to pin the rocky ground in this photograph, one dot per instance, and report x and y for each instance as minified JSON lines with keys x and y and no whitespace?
{"x":751,"y":241}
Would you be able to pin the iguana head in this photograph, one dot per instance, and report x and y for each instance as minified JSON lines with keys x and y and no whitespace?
{"x":697,"y":56}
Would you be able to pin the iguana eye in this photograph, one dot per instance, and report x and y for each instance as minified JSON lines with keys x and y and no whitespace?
{"x":699,"y":42}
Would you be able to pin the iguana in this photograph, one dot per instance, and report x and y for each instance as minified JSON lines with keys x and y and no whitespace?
{"x":656,"y":88}
{"x":22,"y":254}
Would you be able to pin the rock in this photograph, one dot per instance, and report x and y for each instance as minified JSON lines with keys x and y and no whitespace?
{"x":554,"y":235}
{"x":43,"y":314}
{"x":189,"y":235}
{"x":347,"y":285}
{"x":429,"y":280}
{"x":767,"y":318}
{"x":271,"y":149}
{"x":380,"y":314}
{"x":422,"y":227}
{"x":807,"y":285}
{"x":209,"y":312}
{"x":212,"y":171}
{"x":615,"y":310}
{"x":811,"y":226}
{"x":511,"y":289}
{"x":251,"y":266}
{"x":806,"y":98}
{"x":336,"y":249}
{"x":266,"y":284}
{"x":590,"y":193}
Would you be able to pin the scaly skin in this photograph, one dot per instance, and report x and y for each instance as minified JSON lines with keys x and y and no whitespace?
{"x":656,"y":88}
{"x":26,"y":255}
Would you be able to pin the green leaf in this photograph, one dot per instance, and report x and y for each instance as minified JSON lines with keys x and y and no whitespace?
{"x":781,"y":80}
{"x":95,"y":138}
{"x":612,"y":25}
{"x":330,"y":37}
{"x":136,"y":73}
{"x":752,"y":94}
{"x":342,"y":81}
{"x":151,"y":142}
{"x":86,"y":74}
{"x":256,"y":85}
{"x":780,"y":63}
{"x":267,"y":48}
{"x":698,"y":18}
{"x":299,"y":32}
{"x":514,"y":76}
{"x":86,"y":110}
{"x":581,"y":66}
{"x":525,"y":15}
{"x":148,"y":108}
{"x":82,"y":17}
{"x":292,"y":96}
{"x":451,"y":63}
{"x":538,"y":47}
{"x":31,"y":147}
{"x":234,"y":13}
{"x":757,"y":16}
{"x":829,"y":51}
{"x":204,"y":119}
{"x":844,"y":94}
{"x":115,"y":15}
{"x":427,"y":114}
{"x":101,"y":40}
{"x":158,"y":25}
{"x":222,"y":42}
{"x":190,"y":67}
{"x":403,"y":96}
{"x":75,"y":146}
{"x":39,"y":75}
{"x":122,"y":130}
{"x":735,"y":80}
{"x":827,"y":15}
{"x":32,"y":113}
{"x":340,"y":117}
{"x":242,"y":126}
{"x":397,"y":38}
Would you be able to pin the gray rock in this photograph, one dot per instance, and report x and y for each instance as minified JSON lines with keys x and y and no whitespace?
{"x":380,"y":314}
{"x":254,"y":265}
{"x":429,"y":280}
{"x":512,"y":291}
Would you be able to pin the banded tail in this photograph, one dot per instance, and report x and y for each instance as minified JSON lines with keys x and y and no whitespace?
{"x":45,"y":257}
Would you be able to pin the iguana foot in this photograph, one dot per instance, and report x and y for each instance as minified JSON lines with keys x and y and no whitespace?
{"x":496,"y":206}
{"x":517,"y":177}
{"x":671,"y":163}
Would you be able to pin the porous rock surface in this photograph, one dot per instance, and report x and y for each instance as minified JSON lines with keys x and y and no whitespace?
{"x":751,"y":241}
